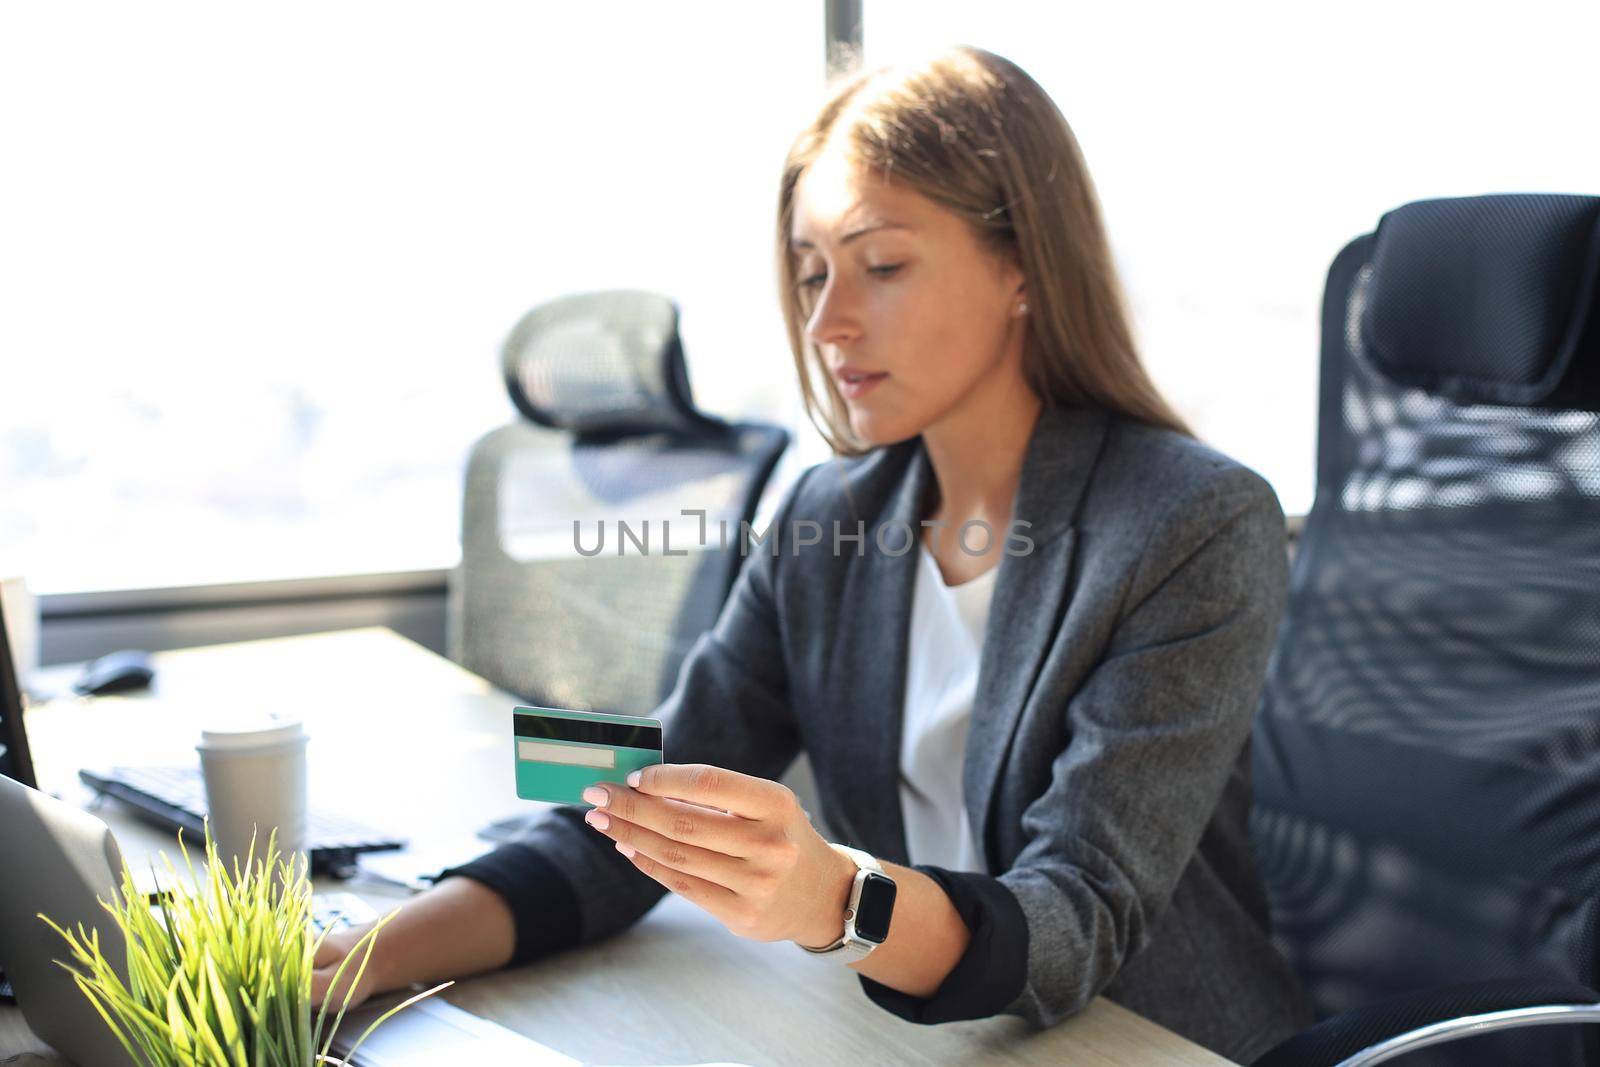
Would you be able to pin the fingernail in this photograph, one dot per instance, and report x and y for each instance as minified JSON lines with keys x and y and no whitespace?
{"x":633,"y":779}
{"x":626,"y":850}
{"x":595,"y":795}
{"x":597,"y":819}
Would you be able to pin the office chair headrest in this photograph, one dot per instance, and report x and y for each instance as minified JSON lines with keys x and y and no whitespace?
{"x":602,"y":363}
{"x":1484,"y":299}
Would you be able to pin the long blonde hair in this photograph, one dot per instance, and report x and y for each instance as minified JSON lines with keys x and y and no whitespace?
{"x":975,"y":134}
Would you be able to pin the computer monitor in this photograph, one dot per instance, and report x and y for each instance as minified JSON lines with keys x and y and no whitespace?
{"x":15,"y":760}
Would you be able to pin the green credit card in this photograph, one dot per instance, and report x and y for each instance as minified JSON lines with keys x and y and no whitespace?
{"x":560,"y":753}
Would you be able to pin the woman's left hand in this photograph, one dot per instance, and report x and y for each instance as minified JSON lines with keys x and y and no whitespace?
{"x":739,"y":846}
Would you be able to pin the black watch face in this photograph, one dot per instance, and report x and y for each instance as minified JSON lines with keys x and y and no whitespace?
{"x":875,"y":907}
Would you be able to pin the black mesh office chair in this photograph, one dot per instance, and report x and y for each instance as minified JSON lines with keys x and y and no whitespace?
{"x":611,"y":435}
{"x":1427,"y":753}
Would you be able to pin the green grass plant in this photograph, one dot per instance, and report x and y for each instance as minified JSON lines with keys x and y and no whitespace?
{"x":219,"y":973}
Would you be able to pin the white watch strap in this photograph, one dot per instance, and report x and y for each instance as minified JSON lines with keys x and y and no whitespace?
{"x":862,"y":859}
{"x":849,"y":949}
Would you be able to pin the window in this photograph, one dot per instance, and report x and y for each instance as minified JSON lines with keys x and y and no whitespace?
{"x":258,"y":261}
{"x":1236,"y":148}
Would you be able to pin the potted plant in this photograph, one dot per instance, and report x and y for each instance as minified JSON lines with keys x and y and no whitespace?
{"x":219,"y":975}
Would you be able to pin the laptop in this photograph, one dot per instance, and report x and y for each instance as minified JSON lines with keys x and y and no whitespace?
{"x":174,"y":798}
{"x":15,"y":760}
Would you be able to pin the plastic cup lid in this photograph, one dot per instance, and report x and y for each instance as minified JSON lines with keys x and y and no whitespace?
{"x":252,"y":729}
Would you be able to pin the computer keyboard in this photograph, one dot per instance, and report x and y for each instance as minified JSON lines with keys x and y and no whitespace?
{"x":176,"y":797}
{"x":338,"y":910}
{"x":503,"y":830}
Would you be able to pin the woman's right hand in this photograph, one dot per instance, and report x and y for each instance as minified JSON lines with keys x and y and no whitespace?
{"x":333,"y":951}
{"x":457,"y":928}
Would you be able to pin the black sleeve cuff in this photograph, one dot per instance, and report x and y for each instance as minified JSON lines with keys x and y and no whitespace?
{"x":993,"y":970}
{"x":543,"y":903}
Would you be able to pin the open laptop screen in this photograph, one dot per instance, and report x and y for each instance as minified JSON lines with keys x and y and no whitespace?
{"x":15,"y":760}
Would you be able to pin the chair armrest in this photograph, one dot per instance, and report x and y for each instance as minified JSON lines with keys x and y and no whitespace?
{"x":1388,"y":1028}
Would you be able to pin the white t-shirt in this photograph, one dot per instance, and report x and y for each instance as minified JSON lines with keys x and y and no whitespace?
{"x":946,"y":639}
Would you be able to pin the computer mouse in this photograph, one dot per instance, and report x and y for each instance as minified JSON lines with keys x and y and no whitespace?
{"x":115,"y":672}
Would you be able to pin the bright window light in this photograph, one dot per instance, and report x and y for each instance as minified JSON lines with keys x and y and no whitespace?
{"x":258,"y":260}
{"x":1237,"y":147}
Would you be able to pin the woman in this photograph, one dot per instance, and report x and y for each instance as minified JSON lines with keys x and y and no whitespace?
{"x":1020,"y":626}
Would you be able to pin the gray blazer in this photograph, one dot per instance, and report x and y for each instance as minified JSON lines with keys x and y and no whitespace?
{"x":1107,"y":773}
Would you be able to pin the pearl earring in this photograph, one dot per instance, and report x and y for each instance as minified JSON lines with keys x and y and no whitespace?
{"x":1022,"y":308}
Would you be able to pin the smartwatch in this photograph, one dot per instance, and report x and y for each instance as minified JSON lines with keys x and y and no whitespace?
{"x":866,"y":915}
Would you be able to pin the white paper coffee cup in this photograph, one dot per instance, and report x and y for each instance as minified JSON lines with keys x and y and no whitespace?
{"x":254,"y":766}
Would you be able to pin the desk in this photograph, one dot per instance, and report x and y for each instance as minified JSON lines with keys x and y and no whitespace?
{"x":675,"y":988}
